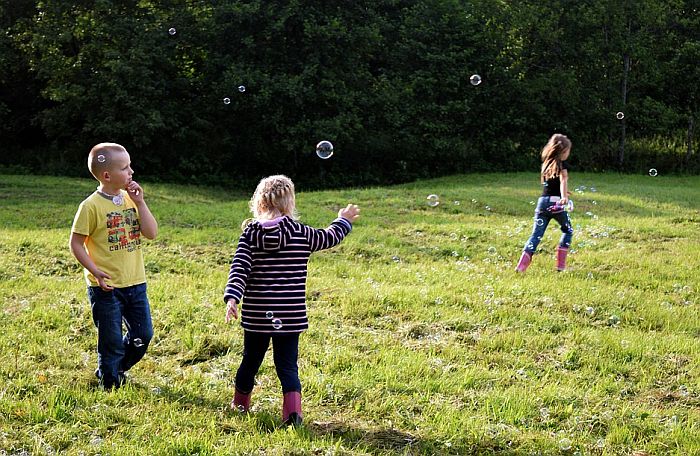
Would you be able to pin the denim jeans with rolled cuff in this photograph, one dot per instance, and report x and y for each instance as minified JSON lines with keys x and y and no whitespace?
{"x":543,"y":215}
{"x":285,"y":351}
{"x":117,"y":352}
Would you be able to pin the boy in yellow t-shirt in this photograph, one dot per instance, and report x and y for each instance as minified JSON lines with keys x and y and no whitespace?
{"x":106,"y":240}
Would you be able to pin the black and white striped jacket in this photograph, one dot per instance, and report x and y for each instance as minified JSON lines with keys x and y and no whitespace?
{"x":268,"y":272}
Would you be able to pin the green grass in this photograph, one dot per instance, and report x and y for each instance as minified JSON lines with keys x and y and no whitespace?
{"x":422,"y":339}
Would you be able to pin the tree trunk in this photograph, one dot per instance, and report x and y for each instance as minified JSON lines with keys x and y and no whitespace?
{"x":621,"y":152}
{"x":689,"y":151}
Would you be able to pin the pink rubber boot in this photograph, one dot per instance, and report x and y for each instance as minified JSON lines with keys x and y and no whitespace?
{"x":561,"y":258}
{"x":240,"y":402}
{"x":291,"y":408}
{"x":524,"y":262}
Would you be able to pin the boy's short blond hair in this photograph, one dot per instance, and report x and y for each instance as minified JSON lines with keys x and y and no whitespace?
{"x":100,"y":158}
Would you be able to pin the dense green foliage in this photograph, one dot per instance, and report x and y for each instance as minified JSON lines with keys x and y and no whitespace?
{"x":386,"y":81}
{"x":422,"y":339}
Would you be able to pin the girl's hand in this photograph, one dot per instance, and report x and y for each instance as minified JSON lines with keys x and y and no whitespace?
{"x":231,"y":310}
{"x":135,"y":191}
{"x":563,"y":201}
{"x":351,"y":212}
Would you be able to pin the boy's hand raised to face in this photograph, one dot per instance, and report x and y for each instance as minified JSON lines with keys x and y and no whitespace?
{"x":351,"y":212}
{"x":135,"y":191}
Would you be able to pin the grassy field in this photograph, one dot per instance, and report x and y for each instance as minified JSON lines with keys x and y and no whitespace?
{"x":422,"y":339}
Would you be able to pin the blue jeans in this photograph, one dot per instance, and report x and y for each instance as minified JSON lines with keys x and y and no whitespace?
{"x":542,"y":219}
{"x":285,"y":348}
{"x":117,"y":352}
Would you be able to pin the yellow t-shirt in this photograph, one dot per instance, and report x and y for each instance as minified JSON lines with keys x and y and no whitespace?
{"x":113,"y":239}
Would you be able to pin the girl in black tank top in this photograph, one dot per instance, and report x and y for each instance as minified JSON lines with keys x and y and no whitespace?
{"x":554,"y":178}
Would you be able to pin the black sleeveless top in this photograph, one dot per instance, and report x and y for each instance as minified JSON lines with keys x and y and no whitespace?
{"x":552,"y":187}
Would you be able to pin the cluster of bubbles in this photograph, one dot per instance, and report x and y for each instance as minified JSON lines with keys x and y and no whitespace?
{"x":276,"y":322}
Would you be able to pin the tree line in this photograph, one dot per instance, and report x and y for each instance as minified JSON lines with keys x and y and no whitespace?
{"x":386,"y":81}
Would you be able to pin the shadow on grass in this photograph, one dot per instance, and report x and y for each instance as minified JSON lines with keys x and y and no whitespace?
{"x":394,"y":441}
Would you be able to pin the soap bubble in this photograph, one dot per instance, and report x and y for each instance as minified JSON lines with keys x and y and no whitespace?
{"x":101,"y":158}
{"x":620,"y":115}
{"x":269,"y":314}
{"x":396,"y":259}
{"x":456,"y":203}
{"x":172,"y":31}
{"x":227,"y":100}
{"x":433,"y":200}
{"x":613,"y":320}
{"x":241,"y":88}
{"x":276,"y":323}
{"x":540,"y":222}
{"x":475,"y":79}
{"x":565,"y":444}
{"x":590,"y":310}
{"x":324,"y":150}
{"x":653,"y":172}
{"x":138,"y":342}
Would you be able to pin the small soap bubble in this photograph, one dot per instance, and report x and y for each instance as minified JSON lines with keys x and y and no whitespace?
{"x":96,"y":441}
{"x":589,"y":213}
{"x":101,"y":158}
{"x":488,"y":208}
{"x":475,"y":79}
{"x":613,"y":319}
{"x":544,"y":413}
{"x":138,"y":342}
{"x":539,"y":222}
{"x":227,"y":100}
{"x":269,"y":314}
{"x":156,"y":390}
{"x":324,"y":150}
{"x":620,"y":115}
{"x":593,"y":189}
{"x":172,"y":31}
{"x":532,"y":203}
{"x":241,"y":88}
{"x":683,"y":391}
{"x":653,"y":172}
{"x":492,"y":250}
{"x":625,"y":344}
{"x":600,"y":443}
{"x":455,"y":253}
{"x":395,"y":259}
{"x":590,"y":310}
{"x":565,"y":444}
{"x":521,"y":373}
{"x":594,"y":202}
{"x":433,"y":200}
{"x":276,"y":323}
{"x":456,"y":203}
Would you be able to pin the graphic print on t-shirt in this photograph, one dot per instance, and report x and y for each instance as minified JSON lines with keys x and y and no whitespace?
{"x":123,"y":230}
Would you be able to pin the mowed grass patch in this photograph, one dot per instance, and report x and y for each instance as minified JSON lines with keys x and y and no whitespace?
{"x":422,"y":341}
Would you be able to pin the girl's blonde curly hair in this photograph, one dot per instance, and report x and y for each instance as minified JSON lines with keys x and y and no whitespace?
{"x":274,"y":197}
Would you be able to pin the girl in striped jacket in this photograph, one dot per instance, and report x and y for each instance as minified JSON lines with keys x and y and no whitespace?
{"x":268,"y":274}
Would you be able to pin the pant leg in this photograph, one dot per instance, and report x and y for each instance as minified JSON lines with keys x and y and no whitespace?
{"x":568,"y":231}
{"x":137,"y":318}
{"x":254,"y":348}
{"x":107,"y":316}
{"x":539,"y":225}
{"x":286,"y":352}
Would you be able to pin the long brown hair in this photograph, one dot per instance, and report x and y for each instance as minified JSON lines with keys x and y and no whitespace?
{"x":552,"y":152}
